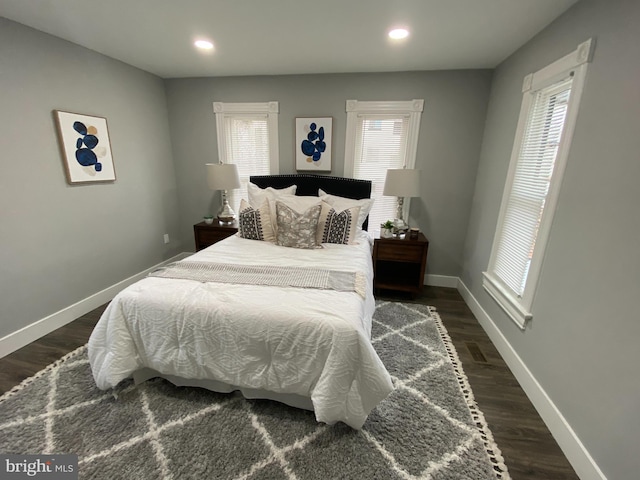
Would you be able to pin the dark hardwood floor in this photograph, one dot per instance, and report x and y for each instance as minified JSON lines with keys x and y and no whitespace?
{"x":528,"y":448}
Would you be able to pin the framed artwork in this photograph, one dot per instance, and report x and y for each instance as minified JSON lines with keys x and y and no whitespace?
{"x":85,"y":147}
{"x":313,"y":143}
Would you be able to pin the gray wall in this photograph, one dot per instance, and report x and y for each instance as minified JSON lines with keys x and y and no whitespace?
{"x":60,"y":243}
{"x":450,"y":136}
{"x":582,"y":345}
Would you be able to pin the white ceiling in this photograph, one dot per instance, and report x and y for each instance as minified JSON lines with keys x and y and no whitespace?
{"x":256,"y":37}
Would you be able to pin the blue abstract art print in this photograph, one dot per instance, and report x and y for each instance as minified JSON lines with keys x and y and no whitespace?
{"x":313,"y":143}
{"x":85,"y":147}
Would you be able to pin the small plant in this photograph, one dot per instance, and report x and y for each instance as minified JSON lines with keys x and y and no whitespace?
{"x":388,"y":225}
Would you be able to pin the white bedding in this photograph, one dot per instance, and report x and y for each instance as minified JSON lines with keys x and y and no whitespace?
{"x":309,"y":342}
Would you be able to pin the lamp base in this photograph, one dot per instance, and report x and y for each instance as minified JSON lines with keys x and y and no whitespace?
{"x":399,"y":224}
{"x":226,"y":215}
{"x":400,"y":227}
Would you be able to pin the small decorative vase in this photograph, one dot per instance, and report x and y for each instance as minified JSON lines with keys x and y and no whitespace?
{"x":208,"y":220}
{"x":386,"y":232}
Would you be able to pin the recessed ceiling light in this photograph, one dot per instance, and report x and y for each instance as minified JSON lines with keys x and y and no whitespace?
{"x":203,"y":44}
{"x":399,"y":33}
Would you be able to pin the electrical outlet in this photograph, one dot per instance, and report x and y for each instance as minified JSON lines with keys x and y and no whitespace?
{"x":166,"y":238}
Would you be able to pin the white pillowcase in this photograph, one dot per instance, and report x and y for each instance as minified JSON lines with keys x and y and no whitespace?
{"x":257,"y":196}
{"x":299,"y":203}
{"x":342,"y":203}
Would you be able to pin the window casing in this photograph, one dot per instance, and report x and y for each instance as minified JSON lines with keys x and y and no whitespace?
{"x":380,"y":136}
{"x":543,"y":137}
{"x":247,"y":136}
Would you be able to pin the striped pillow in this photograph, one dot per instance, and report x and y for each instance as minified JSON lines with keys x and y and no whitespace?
{"x":255,"y":223}
{"x":337,"y":227}
{"x":342,"y":203}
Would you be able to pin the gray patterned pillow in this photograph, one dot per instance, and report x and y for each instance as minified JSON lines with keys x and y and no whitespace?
{"x":337,"y":227}
{"x":255,"y":223}
{"x":297,"y":230}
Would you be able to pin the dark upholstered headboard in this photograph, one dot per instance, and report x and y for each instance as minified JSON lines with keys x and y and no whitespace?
{"x":308,"y":185}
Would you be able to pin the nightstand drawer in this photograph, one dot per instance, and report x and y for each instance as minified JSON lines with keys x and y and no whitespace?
{"x":208,"y":237}
{"x":408,"y":253}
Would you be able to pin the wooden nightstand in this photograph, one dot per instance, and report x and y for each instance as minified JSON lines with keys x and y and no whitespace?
{"x":207,"y":235}
{"x":399,"y":263}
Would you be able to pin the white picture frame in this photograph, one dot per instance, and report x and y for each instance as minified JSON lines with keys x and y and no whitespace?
{"x":85,"y":147}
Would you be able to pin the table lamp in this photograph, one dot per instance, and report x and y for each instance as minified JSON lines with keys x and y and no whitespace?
{"x":223,"y":177}
{"x":401,"y":183}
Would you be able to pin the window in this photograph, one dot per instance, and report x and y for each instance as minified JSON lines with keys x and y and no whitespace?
{"x":381,"y":135}
{"x":543,"y":137}
{"x":248,"y":137}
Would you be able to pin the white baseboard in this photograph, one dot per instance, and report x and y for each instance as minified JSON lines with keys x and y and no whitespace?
{"x":38,"y":329}
{"x":441,"y":281}
{"x":582,"y":462}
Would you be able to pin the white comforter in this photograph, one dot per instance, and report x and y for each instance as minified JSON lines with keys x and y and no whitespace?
{"x":309,"y":342}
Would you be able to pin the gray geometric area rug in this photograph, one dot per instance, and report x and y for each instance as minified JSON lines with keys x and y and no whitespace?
{"x":428,"y":428}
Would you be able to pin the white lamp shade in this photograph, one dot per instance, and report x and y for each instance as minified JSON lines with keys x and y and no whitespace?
{"x":222,"y":176}
{"x":402,"y":182}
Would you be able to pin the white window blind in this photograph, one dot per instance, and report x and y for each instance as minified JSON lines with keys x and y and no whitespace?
{"x":380,"y":144}
{"x":381,"y":135}
{"x":248,"y":137}
{"x":551,"y":97}
{"x":526,"y":201}
{"x":247,"y":140}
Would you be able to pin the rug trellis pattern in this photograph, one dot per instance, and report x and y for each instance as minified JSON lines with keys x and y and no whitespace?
{"x":428,"y":428}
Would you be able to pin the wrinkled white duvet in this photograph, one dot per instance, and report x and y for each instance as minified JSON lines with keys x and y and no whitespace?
{"x":309,"y":342}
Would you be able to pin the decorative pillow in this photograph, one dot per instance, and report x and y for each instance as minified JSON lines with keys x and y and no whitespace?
{"x":255,"y":223}
{"x":297,"y":230}
{"x":337,"y":227}
{"x":342,"y":203}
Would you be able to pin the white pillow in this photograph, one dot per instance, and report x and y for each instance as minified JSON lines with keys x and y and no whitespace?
{"x":299,"y":203}
{"x":257,"y":196}
{"x":342,"y":203}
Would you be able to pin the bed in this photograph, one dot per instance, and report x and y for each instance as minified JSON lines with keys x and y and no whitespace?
{"x":304,"y":345}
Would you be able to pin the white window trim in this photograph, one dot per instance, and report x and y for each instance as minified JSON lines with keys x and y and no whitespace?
{"x":413,"y":108}
{"x":269,"y":109}
{"x":519,"y":308}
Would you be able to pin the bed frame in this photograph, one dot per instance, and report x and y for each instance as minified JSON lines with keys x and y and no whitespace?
{"x":308,"y":185}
